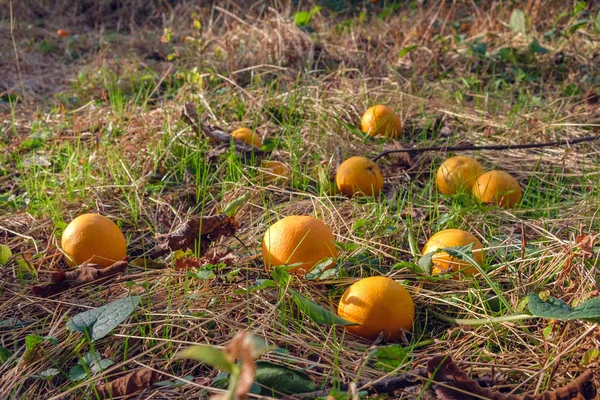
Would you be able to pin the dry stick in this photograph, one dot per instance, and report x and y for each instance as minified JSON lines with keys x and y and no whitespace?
{"x":562,"y":142}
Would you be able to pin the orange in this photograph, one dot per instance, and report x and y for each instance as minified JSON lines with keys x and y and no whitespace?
{"x":442,"y":261}
{"x":248,"y":136}
{"x":457,"y":174}
{"x":298,"y":239}
{"x":381,"y":120}
{"x":359,"y":176}
{"x":378,"y":304}
{"x":497,"y":187}
{"x":94,"y":238}
{"x":274,"y":171}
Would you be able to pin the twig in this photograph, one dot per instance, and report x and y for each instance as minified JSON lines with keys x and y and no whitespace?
{"x":387,"y":385}
{"x":562,"y":142}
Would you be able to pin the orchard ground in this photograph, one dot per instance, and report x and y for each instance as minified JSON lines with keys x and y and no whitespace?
{"x":91,"y":122}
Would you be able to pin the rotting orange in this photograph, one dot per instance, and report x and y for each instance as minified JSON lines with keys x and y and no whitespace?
{"x":457,"y":174}
{"x":248,"y":136}
{"x":379,"y":304}
{"x":94,"y":238}
{"x":274,"y":171}
{"x":359,"y":176}
{"x":497,"y":187}
{"x":381,"y":120}
{"x":442,"y":261}
{"x":298,"y":240}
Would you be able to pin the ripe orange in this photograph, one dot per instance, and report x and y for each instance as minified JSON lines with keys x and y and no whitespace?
{"x":359,"y":176}
{"x":497,"y":187}
{"x":381,"y":120}
{"x":94,"y":238}
{"x":298,"y":239}
{"x":442,"y":261}
{"x":248,"y":136}
{"x":457,"y":174}
{"x":273,"y":170}
{"x":378,"y":304}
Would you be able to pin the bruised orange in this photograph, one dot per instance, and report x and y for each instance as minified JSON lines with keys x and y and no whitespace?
{"x":442,"y":261}
{"x":359,"y":176}
{"x":301,"y":240}
{"x":497,"y":187}
{"x":248,"y":136}
{"x":379,"y":304}
{"x":273,"y":170}
{"x":94,"y":238}
{"x":457,"y":174}
{"x":381,"y":120}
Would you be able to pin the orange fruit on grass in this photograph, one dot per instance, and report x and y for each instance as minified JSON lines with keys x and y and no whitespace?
{"x":248,"y":136}
{"x":359,"y":176}
{"x":378,"y":304}
{"x":298,"y":239}
{"x":273,"y":170}
{"x":94,"y":238}
{"x":457,"y":174}
{"x":497,"y":187}
{"x":442,"y":261}
{"x":381,"y":120}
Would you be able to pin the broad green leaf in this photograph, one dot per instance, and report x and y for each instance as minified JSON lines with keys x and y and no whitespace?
{"x":5,"y":254}
{"x":389,"y":358}
{"x":234,"y":206}
{"x":359,"y":223}
{"x":46,"y":374}
{"x":281,"y":275}
{"x":517,"y":21}
{"x":557,"y":309}
{"x":479,"y":48}
{"x":536,"y":47}
{"x":100,"y":321}
{"x":405,"y":50}
{"x":302,"y":18}
{"x":221,"y":381}
{"x":5,"y":354}
{"x":320,"y":271}
{"x":276,"y":379}
{"x":77,"y":373}
{"x":209,"y":355}
{"x":317,"y":313}
{"x":426,"y":262}
{"x":589,"y":357}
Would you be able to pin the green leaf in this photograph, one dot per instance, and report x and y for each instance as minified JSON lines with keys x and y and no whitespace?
{"x":302,"y":18}
{"x":176,"y":383}
{"x":389,"y":358}
{"x":77,"y":373}
{"x":209,"y":355}
{"x":426,"y":261}
{"x":517,"y":21}
{"x":46,"y":374}
{"x":536,"y":47}
{"x":233,"y":207}
{"x":259,"y":284}
{"x":557,"y":309}
{"x":100,"y":321}
{"x":317,"y":313}
{"x":597,"y":22}
{"x":281,"y":275}
{"x":320,"y":271}
{"x":589,"y":357}
{"x":5,"y":354}
{"x":405,"y":50}
{"x":479,"y":48}
{"x":276,"y":379}
{"x":5,"y":254}
{"x":577,"y":25}
{"x":359,"y":223}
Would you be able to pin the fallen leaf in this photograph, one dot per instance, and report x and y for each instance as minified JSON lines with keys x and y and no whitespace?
{"x":442,"y":369}
{"x":586,"y":244}
{"x":208,"y":229}
{"x":400,"y":159}
{"x":129,"y":384}
{"x":88,"y":273}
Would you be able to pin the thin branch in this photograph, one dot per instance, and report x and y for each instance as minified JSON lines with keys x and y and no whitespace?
{"x":563,"y":142}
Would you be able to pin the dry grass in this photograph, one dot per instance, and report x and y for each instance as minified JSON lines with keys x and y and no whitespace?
{"x":305,"y":90}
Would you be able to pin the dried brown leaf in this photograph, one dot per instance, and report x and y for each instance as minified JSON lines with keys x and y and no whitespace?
{"x":129,"y":384}
{"x":586,"y":244}
{"x":208,"y":229}
{"x":400,"y":159}
{"x":454,"y":384}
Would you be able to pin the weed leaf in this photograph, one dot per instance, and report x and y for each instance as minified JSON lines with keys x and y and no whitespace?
{"x":46,"y":374}
{"x":557,"y":309}
{"x":517,"y":21}
{"x":275,"y":379}
{"x":388,"y":358}
{"x":234,"y":206}
{"x":209,"y":355}
{"x":317,"y":313}
{"x":536,"y":47}
{"x":405,"y":50}
{"x":5,"y":354}
{"x":320,"y":271}
{"x":5,"y":254}
{"x":100,"y":321}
